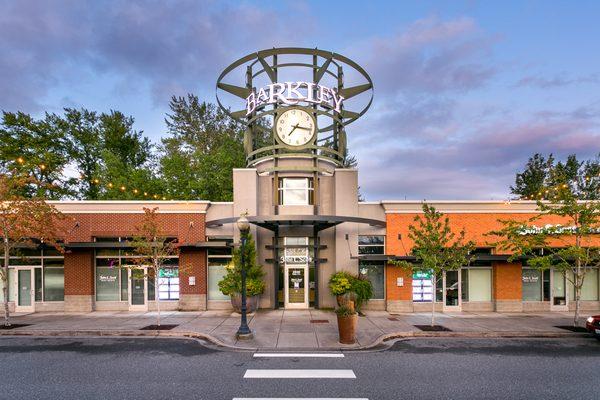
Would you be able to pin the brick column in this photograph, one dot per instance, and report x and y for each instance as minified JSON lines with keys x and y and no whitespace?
{"x":507,"y":289}
{"x":192,"y":264}
{"x":399,"y":298}
{"x":79,"y":281}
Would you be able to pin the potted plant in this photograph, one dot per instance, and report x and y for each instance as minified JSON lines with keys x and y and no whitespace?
{"x":347,"y":320}
{"x":231,"y":284}
{"x":340,"y":285}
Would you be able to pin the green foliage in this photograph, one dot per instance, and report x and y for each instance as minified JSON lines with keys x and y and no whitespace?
{"x":204,"y":146}
{"x":363,"y":289}
{"x":345,"y":311}
{"x":436,"y":248}
{"x":232,"y":281}
{"x":340,"y":283}
{"x":545,"y":179}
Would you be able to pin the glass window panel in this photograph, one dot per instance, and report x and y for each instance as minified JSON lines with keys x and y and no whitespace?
{"x":295,"y":197}
{"x":38,"y":284}
{"x":480,"y":284}
{"x":107,"y":284}
{"x":532,"y":285}
{"x":216,"y":272}
{"x":295,"y":183}
{"x":371,"y":240}
{"x":589,"y":290}
{"x":371,"y":250}
{"x":54,"y":284}
{"x":374,"y":272}
{"x":54,"y":263}
{"x":107,"y":262}
{"x":151,"y":284}
{"x":422,"y":287}
{"x":107,"y":252}
{"x":12,"y":275}
{"x":464,"y":284}
{"x":124,"y":272}
{"x":52,"y":252}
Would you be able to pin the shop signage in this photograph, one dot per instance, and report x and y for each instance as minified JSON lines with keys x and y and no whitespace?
{"x":550,"y":229}
{"x":292,"y":93}
{"x":107,"y":278}
{"x":295,"y":259}
{"x":530,"y":278}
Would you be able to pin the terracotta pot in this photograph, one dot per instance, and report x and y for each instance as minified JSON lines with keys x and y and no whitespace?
{"x":251,"y":303}
{"x":347,"y":328}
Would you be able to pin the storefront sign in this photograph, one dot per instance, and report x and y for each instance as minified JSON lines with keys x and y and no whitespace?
{"x":295,"y":259}
{"x":550,"y":229}
{"x":292,"y":93}
{"x":530,"y":278}
{"x":107,"y":278}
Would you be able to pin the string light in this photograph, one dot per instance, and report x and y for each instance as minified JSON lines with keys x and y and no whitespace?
{"x":42,"y":167}
{"x":122,"y":188}
{"x":20,"y":160}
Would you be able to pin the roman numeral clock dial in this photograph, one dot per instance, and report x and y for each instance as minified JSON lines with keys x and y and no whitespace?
{"x":295,"y":127}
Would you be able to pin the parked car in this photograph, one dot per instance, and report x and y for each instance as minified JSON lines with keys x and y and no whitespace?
{"x":593,"y":325}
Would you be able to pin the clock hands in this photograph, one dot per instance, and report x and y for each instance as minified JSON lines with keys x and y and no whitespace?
{"x":297,"y":126}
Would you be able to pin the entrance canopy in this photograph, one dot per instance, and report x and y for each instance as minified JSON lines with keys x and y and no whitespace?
{"x":320,"y":222}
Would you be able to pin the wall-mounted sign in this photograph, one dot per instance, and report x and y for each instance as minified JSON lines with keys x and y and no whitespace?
{"x":107,"y":278}
{"x":191,"y":281}
{"x":550,"y":229}
{"x":295,"y":259}
{"x":530,"y":278}
{"x":292,"y":93}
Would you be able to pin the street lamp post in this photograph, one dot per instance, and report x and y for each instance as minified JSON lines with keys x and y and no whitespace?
{"x":243,"y":225}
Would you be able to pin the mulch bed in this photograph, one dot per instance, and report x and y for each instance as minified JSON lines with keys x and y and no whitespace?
{"x":13,"y":326}
{"x":434,"y":328}
{"x":578,"y":329}
{"x":393,"y":319}
{"x":164,"y":327}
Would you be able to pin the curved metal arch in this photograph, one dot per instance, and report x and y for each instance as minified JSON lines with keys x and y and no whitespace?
{"x":259,"y":56}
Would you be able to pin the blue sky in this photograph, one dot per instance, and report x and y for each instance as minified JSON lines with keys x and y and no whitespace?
{"x":465,"y":91}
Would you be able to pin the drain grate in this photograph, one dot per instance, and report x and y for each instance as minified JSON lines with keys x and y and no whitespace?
{"x":319,"y":321}
{"x":393,"y":319}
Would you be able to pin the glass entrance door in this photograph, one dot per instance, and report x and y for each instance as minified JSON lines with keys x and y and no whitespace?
{"x":559,"y":292}
{"x":25,"y":292}
{"x":452,"y":291}
{"x":138,"y":287}
{"x":296,"y":288}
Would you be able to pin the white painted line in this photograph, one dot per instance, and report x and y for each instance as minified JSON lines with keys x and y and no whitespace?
{"x":300,"y":398}
{"x":300,"y":355}
{"x":300,"y":374}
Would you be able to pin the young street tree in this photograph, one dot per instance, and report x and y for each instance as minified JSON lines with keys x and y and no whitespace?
{"x":571,"y":248}
{"x":151,"y":249}
{"x":24,"y":222}
{"x":436,"y":248}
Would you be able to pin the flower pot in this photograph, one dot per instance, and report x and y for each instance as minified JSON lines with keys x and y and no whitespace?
{"x":251,"y":303}
{"x":347,"y":328}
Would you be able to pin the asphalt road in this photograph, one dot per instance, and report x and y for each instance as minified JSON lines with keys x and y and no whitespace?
{"x":102,"y":368}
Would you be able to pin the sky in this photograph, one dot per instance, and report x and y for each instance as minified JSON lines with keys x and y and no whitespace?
{"x":465,"y":91}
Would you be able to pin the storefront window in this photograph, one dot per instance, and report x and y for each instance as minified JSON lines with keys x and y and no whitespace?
{"x":168,"y":279}
{"x":218,"y":259}
{"x":107,"y":283}
{"x":532,"y":285}
{"x":479,"y":284}
{"x":422,"y":286}
{"x":374,"y":271}
{"x":296,"y":191}
{"x":54,"y":284}
{"x":589,"y":289}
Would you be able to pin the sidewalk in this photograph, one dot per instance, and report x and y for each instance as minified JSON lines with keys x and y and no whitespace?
{"x":285,"y":329}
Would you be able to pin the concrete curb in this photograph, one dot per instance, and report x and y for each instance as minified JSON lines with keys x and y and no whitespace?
{"x":388,"y":337}
{"x":379,"y":343}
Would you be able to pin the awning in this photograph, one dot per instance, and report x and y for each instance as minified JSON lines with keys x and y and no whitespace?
{"x":386,"y":257}
{"x":320,"y":222}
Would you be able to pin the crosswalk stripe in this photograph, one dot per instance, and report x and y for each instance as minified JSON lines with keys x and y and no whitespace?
{"x":300,"y":398}
{"x":300,"y":355}
{"x":300,"y":373}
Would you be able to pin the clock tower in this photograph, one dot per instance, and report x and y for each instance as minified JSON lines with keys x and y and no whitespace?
{"x":296,"y":104}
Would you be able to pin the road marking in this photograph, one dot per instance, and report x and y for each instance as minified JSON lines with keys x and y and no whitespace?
{"x":307,"y":355}
{"x":300,"y":373}
{"x":300,"y":398}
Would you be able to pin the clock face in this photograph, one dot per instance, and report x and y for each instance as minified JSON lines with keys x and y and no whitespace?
{"x":295,"y":127}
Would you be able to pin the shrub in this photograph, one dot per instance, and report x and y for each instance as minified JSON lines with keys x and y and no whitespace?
{"x":363,"y":289}
{"x":232,"y":281}
{"x":340,"y":283}
{"x":344,"y":311}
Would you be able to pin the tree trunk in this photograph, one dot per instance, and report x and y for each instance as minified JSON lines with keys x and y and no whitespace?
{"x":434,"y":278}
{"x":577,"y":286}
{"x":5,"y":285}
{"x":156,"y":296}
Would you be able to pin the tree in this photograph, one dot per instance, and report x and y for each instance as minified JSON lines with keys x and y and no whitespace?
{"x":567,"y":248}
{"x":24,"y":222}
{"x":436,"y":248}
{"x":542,"y":178}
{"x":151,"y":248}
{"x":231,"y":284}
{"x":35,"y":148}
{"x":203,"y":148}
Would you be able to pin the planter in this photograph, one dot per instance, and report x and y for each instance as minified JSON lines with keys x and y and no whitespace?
{"x":347,"y":328}
{"x":345,"y":299}
{"x":251,"y":303}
